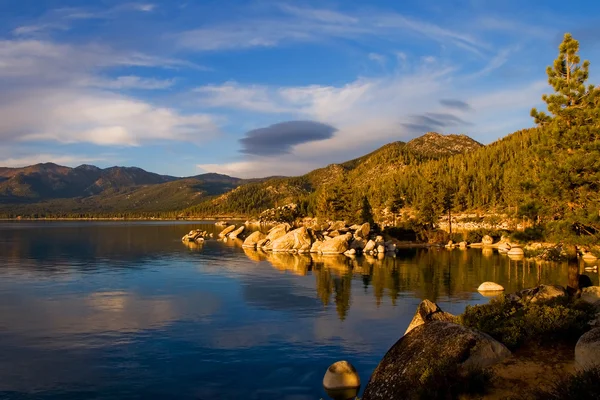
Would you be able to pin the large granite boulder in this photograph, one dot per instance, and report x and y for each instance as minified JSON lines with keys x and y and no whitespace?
{"x":298,"y":240}
{"x":543,"y":293}
{"x":254,"y":238}
{"x":277,"y":232}
{"x":587,"y":349}
{"x":429,"y":311}
{"x":227,"y":231}
{"x":363,"y":231}
{"x":284,"y":243}
{"x":316,"y":246}
{"x":591,"y":294}
{"x":430,"y":347}
{"x":337,"y":245}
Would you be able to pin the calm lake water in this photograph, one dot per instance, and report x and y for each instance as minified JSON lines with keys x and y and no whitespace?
{"x":118,"y":310}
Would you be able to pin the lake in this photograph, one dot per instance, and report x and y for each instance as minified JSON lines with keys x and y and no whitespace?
{"x":125,"y":310}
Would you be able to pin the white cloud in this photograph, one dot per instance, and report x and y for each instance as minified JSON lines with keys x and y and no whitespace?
{"x":51,"y":92}
{"x":378,"y":58}
{"x":369,"y":112}
{"x":233,"y":95}
{"x":129,"y":82}
{"x":316,"y":25}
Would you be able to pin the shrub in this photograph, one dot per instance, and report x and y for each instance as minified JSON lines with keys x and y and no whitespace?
{"x":581,"y":385}
{"x":444,"y":380}
{"x":514,"y":323}
{"x":529,"y":234}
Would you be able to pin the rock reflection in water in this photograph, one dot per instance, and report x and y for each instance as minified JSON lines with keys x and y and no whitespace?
{"x":421,"y":273}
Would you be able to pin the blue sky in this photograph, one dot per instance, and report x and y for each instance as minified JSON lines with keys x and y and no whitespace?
{"x":257,"y":88}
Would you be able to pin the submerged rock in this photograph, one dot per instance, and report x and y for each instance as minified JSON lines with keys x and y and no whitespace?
{"x":428,"y":311}
{"x":436,"y":344}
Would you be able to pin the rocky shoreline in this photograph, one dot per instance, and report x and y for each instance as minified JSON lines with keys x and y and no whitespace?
{"x":446,"y":356}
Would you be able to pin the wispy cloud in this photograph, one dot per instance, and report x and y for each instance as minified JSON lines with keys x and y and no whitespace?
{"x":63,"y":18}
{"x":129,"y":82}
{"x":314,"y":25}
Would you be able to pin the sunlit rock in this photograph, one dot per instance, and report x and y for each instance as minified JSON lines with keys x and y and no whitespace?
{"x":490,"y":287}
{"x":227,"y":231}
{"x":429,"y":311}
{"x":237,"y":232}
{"x":341,"y":381}
{"x":253,"y":239}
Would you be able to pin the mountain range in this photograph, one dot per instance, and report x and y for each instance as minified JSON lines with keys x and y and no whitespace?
{"x":52,"y":190}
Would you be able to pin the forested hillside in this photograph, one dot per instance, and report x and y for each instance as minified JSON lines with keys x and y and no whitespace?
{"x":549,"y":174}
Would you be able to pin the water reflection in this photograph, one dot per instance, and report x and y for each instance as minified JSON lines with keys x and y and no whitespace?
{"x":131,"y":312}
{"x":435,"y":274}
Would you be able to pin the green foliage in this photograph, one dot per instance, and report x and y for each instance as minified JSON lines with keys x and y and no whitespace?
{"x":581,"y":385}
{"x":444,"y":380}
{"x":528,"y":234}
{"x":514,"y":323}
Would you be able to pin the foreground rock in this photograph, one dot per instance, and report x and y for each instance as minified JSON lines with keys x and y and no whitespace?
{"x":543,"y":293}
{"x":427,"y":347}
{"x":429,"y":311}
{"x":237,"y":232}
{"x":341,"y":381}
{"x":587,"y":349}
{"x":591,"y":294}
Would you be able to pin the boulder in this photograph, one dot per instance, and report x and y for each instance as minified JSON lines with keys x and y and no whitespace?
{"x":542,"y":293}
{"x":462,"y":245}
{"x":302,"y":239}
{"x":278,"y":231}
{"x":316,"y":246}
{"x":363,"y":231}
{"x":490,"y":287}
{"x":591,"y":294}
{"x":284,"y":243}
{"x":587,"y":349}
{"x":337,"y":245}
{"x":504,"y":247}
{"x":426,"y":348}
{"x":253,"y":239}
{"x":390,"y":247}
{"x":515,"y":251}
{"x":350,"y":252}
{"x":381,"y":249}
{"x":237,"y":232}
{"x":370,"y":246}
{"x":226,"y":231}
{"x":487,"y":240}
{"x":337,"y":225}
{"x":333,"y":234}
{"x":358,"y":244}
{"x":429,"y":311}
{"x":341,"y":381}
{"x":262,"y":243}
{"x":589,"y":257}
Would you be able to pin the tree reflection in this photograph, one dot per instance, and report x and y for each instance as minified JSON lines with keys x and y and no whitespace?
{"x":432,"y":274}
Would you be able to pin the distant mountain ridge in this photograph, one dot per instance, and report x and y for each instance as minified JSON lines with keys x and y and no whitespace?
{"x":87,"y":189}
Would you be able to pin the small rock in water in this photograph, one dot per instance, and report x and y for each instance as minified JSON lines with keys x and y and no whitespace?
{"x":341,"y":381}
{"x":490,"y":287}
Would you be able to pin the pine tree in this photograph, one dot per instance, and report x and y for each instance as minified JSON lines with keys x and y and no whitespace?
{"x":570,"y":146}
